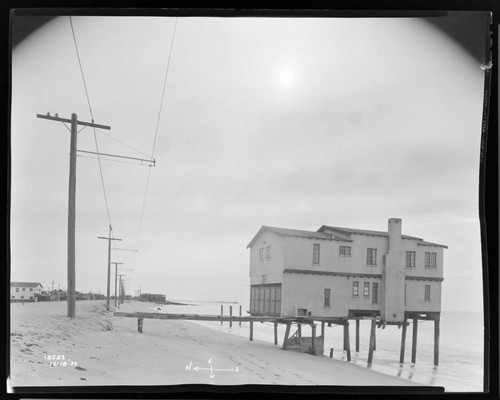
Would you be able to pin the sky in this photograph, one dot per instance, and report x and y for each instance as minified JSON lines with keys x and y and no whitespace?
{"x":288,"y":122}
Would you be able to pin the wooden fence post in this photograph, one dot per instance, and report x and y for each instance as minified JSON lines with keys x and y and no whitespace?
{"x":139,"y":324}
{"x":231,"y":314}
{"x":221,"y":312}
{"x":275,"y":333}
{"x":251,"y":330}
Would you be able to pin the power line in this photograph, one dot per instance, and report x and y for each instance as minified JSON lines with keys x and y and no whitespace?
{"x":92,"y":116}
{"x":164,"y":85}
{"x":81,"y":68}
{"x":125,"y":144}
{"x":156,"y":130}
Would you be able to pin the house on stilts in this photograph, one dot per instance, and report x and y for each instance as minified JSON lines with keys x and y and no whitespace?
{"x":335,"y":275}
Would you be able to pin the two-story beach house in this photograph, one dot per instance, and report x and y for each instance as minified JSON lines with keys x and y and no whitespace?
{"x":25,"y":291}
{"x":342,"y":272}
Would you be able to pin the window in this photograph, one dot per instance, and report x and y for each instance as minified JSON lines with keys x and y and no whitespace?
{"x":31,"y":289}
{"x":410,"y":259}
{"x":371,"y":257}
{"x":315,"y":253}
{"x":366,"y":289}
{"x":430,"y":260}
{"x":261,"y":254}
{"x":22,"y":297}
{"x":355,"y":288}
{"x":427,"y":293}
{"x":17,"y":289}
{"x":327,"y":298}
{"x":375,"y":292}
{"x":268,"y":252}
{"x":13,"y":297}
{"x":24,"y":289}
{"x":345,"y":250}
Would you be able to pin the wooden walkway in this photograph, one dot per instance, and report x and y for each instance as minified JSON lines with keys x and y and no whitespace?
{"x":289,"y":321}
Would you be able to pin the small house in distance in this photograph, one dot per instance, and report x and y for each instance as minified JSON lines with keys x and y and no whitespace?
{"x":344,"y":272}
{"x":25,"y":291}
{"x":154,"y":298}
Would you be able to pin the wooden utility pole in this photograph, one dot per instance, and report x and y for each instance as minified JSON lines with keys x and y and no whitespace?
{"x":121,"y":288}
{"x":116,"y":276}
{"x":116,"y":272}
{"x":109,"y":239}
{"x":72,"y":202}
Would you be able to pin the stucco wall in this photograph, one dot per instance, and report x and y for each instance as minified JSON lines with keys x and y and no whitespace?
{"x":308,"y":291}
{"x":272,"y":268}
{"x":299,"y":254}
{"x":415,"y":295}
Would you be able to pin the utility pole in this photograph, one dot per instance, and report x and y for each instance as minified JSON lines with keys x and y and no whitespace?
{"x":116,"y":275}
{"x":121,"y":288}
{"x":116,"y":272}
{"x":72,"y":202}
{"x":109,"y":239}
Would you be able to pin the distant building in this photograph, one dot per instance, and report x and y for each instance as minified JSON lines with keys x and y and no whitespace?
{"x":344,"y":272}
{"x":25,"y":291}
{"x":154,"y":298}
{"x":59,"y":294}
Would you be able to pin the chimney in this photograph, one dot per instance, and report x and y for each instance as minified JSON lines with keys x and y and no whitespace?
{"x":393,"y":281}
{"x":394,"y":231}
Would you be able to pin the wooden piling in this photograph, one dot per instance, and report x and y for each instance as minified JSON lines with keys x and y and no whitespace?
{"x":344,"y":339}
{"x":139,"y":324}
{"x":347,"y":342}
{"x":275,"y":333}
{"x":313,"y":339}
{"x":287,"y":332}
{"x":240,"y":314}
{"x":221,"y":311}
{"x":230,"y":314}
{"x":323,"y":330}
{"x":331,"y":352}
{"x":372,"y":341}
{"x":299,"y":330}
{"x":436,"y":341}
{"x":251,"y":330}
{"x":375,"y":340}
{"x":414,"y":341}
{"x":403,"y":343}
{"x":357,"y":336}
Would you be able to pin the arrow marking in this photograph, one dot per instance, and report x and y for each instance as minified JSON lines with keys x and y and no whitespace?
{"x":211,"y":369}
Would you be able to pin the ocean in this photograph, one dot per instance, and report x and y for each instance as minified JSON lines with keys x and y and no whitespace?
{"x":461,"y":352}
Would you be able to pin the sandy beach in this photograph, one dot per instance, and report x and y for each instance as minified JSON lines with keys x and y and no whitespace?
{"x":100,"y":350}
